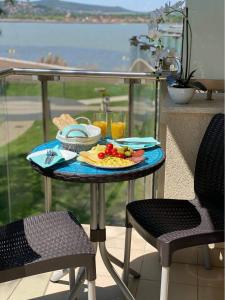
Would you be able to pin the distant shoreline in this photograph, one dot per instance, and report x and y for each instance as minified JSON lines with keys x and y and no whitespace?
{"x":69,"y":21}
{"x":31,"y":21}
{"x":74,"y":21}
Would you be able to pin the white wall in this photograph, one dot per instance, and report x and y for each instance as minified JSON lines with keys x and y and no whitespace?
{"x":207,"y":22}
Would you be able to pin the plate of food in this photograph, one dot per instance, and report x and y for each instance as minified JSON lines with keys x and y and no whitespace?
{"x":111,"y":157}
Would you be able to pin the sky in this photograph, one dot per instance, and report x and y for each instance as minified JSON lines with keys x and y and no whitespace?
{"x":136,"y":5}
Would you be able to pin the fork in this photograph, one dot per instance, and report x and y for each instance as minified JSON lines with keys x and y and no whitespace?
{"x":52,"y":154}
{"x":49,"y":156}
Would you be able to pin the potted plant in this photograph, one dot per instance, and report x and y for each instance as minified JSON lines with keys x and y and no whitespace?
{"x":181,"y":88}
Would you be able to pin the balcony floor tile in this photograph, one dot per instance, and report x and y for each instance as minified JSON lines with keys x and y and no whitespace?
{"x":149,"y":289}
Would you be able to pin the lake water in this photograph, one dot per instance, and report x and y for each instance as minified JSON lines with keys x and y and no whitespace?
{"x":97,"y":46}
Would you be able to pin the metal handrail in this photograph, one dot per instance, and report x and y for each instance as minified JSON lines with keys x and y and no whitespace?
{"x":5,"y":72}
{"x":80,"y":73}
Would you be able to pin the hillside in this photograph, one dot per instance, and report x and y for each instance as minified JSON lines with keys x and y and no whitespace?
{"x":66,"y":11}
{"x":72,"y":7}
{"x":59,"y":8}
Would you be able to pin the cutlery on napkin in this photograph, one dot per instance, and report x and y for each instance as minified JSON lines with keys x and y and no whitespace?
{"x":47,"y":158}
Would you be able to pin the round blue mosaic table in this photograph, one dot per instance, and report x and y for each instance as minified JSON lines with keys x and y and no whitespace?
{"x":76,"y":171}
{"x":79,"y":172}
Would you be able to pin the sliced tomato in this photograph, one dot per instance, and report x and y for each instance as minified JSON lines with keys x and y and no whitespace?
{"x":138,"y":153}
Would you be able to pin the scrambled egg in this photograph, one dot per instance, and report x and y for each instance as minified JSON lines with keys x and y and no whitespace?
{"x":114,"y":162}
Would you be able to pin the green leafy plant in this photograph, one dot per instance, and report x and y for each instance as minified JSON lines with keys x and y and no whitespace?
{"x":185,"y":81}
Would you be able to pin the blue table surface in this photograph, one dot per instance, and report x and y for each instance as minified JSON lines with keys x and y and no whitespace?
{"x":153,"y":156}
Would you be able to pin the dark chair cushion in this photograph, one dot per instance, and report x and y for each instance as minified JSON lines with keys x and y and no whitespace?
{"x":170,"y":224}
{"x":41,"y":243}
{"x":161,"y":216}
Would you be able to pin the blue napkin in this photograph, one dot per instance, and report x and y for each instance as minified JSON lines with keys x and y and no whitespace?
{"x":148,"y":142}
{"x":40,"y":159}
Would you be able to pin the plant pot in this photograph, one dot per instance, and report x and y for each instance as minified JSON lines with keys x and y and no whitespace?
{"x":180,"y":95}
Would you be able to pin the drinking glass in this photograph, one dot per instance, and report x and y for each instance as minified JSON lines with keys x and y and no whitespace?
{"x":100,"y":120}
{"x":118,"y":125}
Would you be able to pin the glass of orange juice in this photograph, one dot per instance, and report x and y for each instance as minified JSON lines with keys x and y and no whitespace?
{"x":118,"y":125}
{"x":100,"y":120}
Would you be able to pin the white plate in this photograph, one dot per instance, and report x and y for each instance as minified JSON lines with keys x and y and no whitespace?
{"x":66,"y":154}
{"x":110,"y":168}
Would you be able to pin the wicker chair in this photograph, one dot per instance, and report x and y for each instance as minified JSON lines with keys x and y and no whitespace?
{"x":169,"y":224}
{"x":44,"y":243}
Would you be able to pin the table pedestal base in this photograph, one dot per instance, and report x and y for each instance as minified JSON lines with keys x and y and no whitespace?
{"x":98,"y":224}
{"x":98,"y":237}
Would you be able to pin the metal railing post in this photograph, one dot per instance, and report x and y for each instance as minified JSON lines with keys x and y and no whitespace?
{"x":156,"y":127}
{"x":131,"y":184}
{"x":156,"y":133}
{"x":45,"y":106}
{"x":131,"y":107}
{"x":45,"y":124}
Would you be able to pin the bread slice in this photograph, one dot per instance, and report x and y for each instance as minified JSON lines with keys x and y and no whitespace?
{"x":63,"y":120}
{"x":89,"y":156}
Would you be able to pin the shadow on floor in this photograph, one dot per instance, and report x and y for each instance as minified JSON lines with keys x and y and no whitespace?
{"x":105,"y":286}
{"x":110,"y":293}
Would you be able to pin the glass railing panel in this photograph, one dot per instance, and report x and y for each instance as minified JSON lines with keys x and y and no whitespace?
{"x":5,"y":203}
{"x":24,"y":131}
{"x":144,"y":125}
{"x":83,"y":97}
{"x":117,"y":193}
{"x":79,"y":97}
{"x":144,"y":109}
